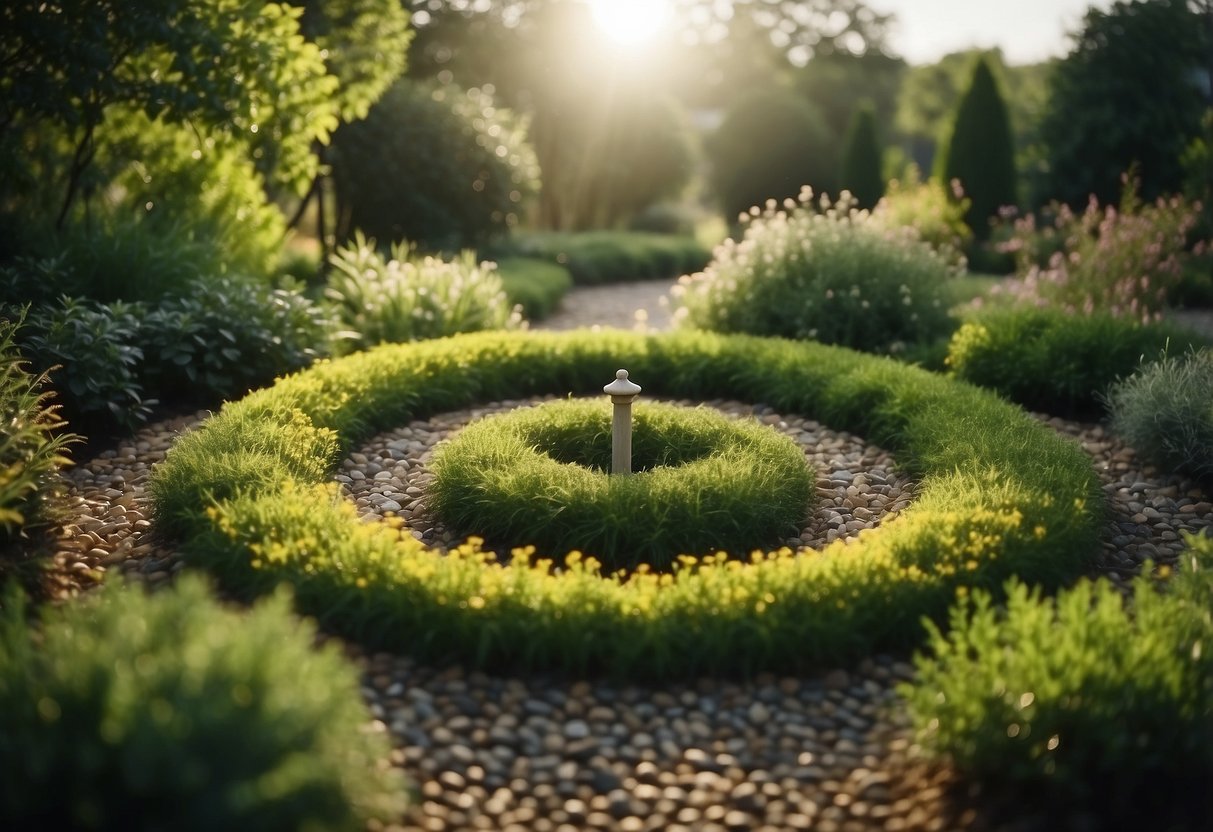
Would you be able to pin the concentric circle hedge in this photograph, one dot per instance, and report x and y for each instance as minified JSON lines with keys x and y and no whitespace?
{"x":250,"y":497}
{"x":703,"y":483}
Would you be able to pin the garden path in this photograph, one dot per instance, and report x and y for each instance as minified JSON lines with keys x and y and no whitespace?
{"x":635,"y":305}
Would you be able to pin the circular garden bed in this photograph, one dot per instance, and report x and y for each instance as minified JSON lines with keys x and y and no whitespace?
{"x":1000,"y":495}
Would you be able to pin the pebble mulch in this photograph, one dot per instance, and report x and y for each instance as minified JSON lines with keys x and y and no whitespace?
{"x":638,"y":305}
{"x":827,"y":752}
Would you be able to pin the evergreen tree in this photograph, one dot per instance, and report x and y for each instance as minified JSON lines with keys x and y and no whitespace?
{"x":979,"y":151}
{"x":861,"y":161}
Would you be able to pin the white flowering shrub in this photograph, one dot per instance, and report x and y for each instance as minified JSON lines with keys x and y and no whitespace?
{"x":824,"y":271}
{"x":408,"y":297}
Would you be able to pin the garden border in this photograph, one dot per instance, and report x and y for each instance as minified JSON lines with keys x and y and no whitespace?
{"x":1000,"y":495}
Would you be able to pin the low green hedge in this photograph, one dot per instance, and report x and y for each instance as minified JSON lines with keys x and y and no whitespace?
{"x":1081,"y":702}
{"x":1048,"y":360}
{"x":1000,"y":495}
{"x":536,"y":285}
{"x":541,"y":477}
{"x":597,"y":257}
{"x":166,"y":711}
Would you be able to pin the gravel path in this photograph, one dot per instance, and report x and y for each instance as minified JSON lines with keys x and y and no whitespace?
{"x":831,"y":751}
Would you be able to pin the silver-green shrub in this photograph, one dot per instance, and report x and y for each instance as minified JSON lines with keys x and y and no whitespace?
{"x":1165,"y":411}
{"x":407,"y":297}
{"x":823,"y":271}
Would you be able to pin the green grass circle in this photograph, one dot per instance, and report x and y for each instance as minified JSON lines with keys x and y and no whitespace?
{"x":250,"y":496}
{"x":541,"y":476}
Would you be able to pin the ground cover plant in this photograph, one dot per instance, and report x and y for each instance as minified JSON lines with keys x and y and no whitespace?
{"x":1165,"y":411}
{"x":1000,"y":495}
{"x":136,"y":711}
{"x":1072,"y":700}
{"x":596,"y":257}
{"x":821,"y":271}
{"x":536,"y":285}
{"x":703,"y":484}
{"x":1052,"y":361}
{"x":407,"y":296}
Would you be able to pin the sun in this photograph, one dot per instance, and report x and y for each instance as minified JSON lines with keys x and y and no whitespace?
{"x":630,"y":22}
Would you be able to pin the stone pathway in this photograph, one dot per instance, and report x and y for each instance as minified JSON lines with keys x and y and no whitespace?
{"x":637,"y":306}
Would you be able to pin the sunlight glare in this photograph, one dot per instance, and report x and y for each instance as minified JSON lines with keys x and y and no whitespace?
{"x":629,"y":22}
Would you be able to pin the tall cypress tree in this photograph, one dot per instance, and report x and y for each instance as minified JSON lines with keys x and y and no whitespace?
{"x":861,"y":163}
{"x":979,"y":151}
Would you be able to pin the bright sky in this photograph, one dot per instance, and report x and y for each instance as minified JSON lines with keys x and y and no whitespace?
{"x":1027,"y":30}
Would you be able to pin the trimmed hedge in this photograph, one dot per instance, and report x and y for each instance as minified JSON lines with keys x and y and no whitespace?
{"x":597,"y":257}
{"x":541,"y":477}
{"x":1000,"y":495}
{"x":536,"y":285}
{"x":134,"y":711}
{"x":1052,"y":361}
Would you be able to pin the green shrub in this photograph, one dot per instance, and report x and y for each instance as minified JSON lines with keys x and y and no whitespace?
{"x":438,"y":166}
{"x":1078,"y":702}
{"x":1000,"y":495}
{"x":129,"y":711}
{"x":597,"y":257}
{"x":831,"y":275}
{"x":536,"y":285}
{"x":1051,"y":361}
{"x":1165,"y":411}
{"x":409,"y":297}
{"x":861,"y":159}
{"x":541,"y":477}
{"x":928,"y":208}
{"x":770,"y":146}
{"x":674,"y":218}
{"x":979,"y":152}
{"x":31,"y":446}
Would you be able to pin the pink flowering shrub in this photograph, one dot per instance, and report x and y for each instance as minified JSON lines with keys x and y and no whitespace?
{"x":1123,"y":260}
{"x":928,"y":208}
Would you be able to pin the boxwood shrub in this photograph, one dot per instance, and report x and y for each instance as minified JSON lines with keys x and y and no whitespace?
{"x":1081,"y":702}
{"x":1052,"y":361}
{"x":165,"y":711}
{"x":1000,"y":495}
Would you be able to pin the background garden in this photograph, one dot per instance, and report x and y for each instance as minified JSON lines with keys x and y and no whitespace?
{"x":995,"y":279}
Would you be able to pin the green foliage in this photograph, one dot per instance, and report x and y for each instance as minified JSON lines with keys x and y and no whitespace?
{"x":32,"y":445}
{"x":769,"y":146}
{"x":935,"y":214}
{"x":1124,"y":96}
{"x":1052,"y":361}
{"x":1165,"y":411}
{"x":409,"y":297}
{"x":130,"y":711}
{"x":535,"y":285}
{"x":1000,"y":495}
{"x":541,"y":478}
{"x":1125,"y":260}
{"x":979,"y":153}
{"x":435,"y":165}
{"x":596,"y":257}
{"x":1078,"y":702}
{"x":832,"y":275}
{"x":861,"y":160}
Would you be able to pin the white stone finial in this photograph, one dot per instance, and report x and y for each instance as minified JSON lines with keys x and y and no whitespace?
{"x":622,"y":392}
{"x":622,"y":387}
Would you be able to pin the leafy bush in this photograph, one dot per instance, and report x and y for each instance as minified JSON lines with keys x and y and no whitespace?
{"x":129,"y":711}
{"x":535,"y":285}
{"x":831,"y":275}
{"x":1000,"y":495}
{"x":1078,"y":701}
{"x":541,"y":477}
{"x":770,"y":146}
{"x":1165,"y":411}
{"x":668,"y":218}
{"x":31,"y":446}
{"x":437,"y":166}
{"x":1051,"y":361}
{"x":930,"y":210}
{"x":861,"y":160}
{"x":409,"y":297}
{"x":596,"y":257}
{"x":1124,"y":260}
{"x":979,"y":152}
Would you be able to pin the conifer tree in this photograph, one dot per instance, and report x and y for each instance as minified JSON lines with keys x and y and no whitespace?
{"x":979,"y":151}
{"x":861,"y":162}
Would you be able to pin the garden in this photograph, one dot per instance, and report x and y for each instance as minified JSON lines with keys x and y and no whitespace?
{"x":345,"y":485}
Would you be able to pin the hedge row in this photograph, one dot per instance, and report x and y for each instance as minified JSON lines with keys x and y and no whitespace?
{"x":1000,"y":496}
